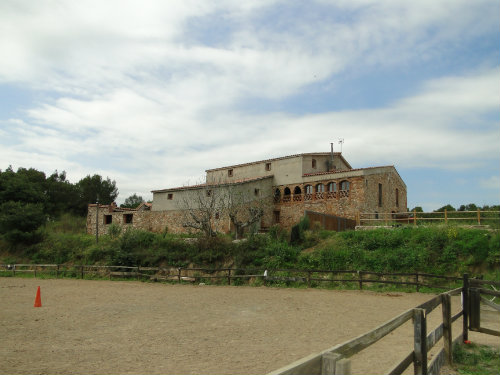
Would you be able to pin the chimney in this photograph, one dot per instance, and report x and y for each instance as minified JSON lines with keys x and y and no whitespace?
{"x":331,"y":165}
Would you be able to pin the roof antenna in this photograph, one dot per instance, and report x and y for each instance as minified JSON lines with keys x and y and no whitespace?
{"x":341,"y":142}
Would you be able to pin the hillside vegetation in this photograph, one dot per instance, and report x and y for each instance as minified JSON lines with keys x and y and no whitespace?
{"x":435,"y":249}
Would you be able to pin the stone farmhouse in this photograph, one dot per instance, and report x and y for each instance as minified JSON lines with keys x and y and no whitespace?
{"x":323,"y":183}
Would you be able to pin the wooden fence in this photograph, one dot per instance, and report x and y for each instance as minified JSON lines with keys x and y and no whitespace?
{"x":229,"y":276}
{"x":413,"y":217}
{"x":331,"y":222}
{"x":477,"y":291}
{"x":336,"y":360}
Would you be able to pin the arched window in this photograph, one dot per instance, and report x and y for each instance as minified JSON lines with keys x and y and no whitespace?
{"x":277,"y":195}
{"x":397,"y":197}
{"x":309,"y":189}
{"x":344,"y":185}
{"x":287,"y":191}
{"x":320,"y":188}
{"x":314,"y":163}
{"x":297,"y":190}
{"x":332,"y":186}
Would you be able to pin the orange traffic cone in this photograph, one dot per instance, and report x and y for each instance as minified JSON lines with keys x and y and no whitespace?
{"x":38,"y":299}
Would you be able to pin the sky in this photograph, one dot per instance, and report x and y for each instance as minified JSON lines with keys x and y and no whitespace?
{"x":152,"y":93}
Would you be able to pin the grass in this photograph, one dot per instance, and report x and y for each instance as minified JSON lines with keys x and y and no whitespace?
{"x":472,"y":359}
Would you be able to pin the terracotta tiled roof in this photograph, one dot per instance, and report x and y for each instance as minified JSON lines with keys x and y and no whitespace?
{"x":337,"y":154}
{"x":345,"y":170}
{"x":192,"y":187}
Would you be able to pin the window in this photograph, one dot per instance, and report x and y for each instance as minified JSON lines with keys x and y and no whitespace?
{"x":332,"y":186}
{"x":268,"y":166}
{"x":380,"y":195}
{"x":276,"y":217}
{"x":320,"y":188}
{"x":170,"y":196}
{"x":229,"y":173}
{"x":108,"y":219}
{"x":209,"y":193}
{"x":287,"y":191}
{"x":297,"y":190}
{"x":397,"y":197}
{"x":127,"y":218}
{"x":309,"y":189}
{"x":256,"y":192}
{"x":344,"y":185}
{"x":314,"y":163}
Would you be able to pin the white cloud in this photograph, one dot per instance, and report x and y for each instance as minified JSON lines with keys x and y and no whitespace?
{"x":490,"y":183}
{"x":140,"y":97}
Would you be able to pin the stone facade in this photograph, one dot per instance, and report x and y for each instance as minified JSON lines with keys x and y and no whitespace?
{"x":318,"y":182}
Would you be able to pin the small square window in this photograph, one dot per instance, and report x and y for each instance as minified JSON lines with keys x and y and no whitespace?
{"x":209,"y":193}
{"x":268,"y":166}
{"x":256,"y":192}
{"x":108,"y":219}
{"x":230,"y":173}
{"x":127,"y":218}
{"x":170,"y":196}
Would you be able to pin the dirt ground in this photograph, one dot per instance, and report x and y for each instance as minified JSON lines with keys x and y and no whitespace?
{"x":114,"y":327}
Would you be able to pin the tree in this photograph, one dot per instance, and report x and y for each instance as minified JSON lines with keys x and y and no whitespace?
{"x":132,"y":202}
{"x":202,"y":208}
{"x":20,"y":221}
{"x":448,"y":207}
{"x":205,"y":207}
{"x":93,"y":189}
{"x":62,"y":196}
{"x":468,"y":207}
{"x":244,"y":208}
{"x":417,"y":209}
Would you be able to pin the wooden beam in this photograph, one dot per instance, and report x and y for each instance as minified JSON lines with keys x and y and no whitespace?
{"x":420,"y":342}
{"x":447,"y":335}
{"x":343,"y":367}
{"x":329,"y":362}
{"x":401,"y":366}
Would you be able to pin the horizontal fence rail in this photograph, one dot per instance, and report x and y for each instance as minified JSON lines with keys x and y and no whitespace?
{"x":229,"y":276}
{"x":336,"y":360}
{"x":413,"y":217}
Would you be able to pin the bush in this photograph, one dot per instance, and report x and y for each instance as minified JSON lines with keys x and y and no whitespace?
{"x":19,"y":222}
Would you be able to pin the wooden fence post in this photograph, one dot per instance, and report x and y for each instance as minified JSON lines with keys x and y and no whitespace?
{"x":343,"y":367}
{"x":328,"y":362}
{"x":465,"y":307}
{"x":474,"y":309}
{"x":57,"y":271}
{"x":229,"y":276}
{"x":416,"y":282}
{"x":446,"y":216}
{"x":35,"y":271}
{"x":179,"y":274}
{"x":308,"y":279}
{"x":478,"y":216}
{"x":360,"y":275}
{"x":447,"y":335}
{"x":420,"y":342}
{"x":414,"y":217}
{"x":81,"y":271}
{"x":14,"y":270}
